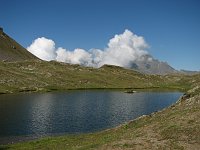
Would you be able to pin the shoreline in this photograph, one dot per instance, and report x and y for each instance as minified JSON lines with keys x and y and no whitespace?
{"x":32,"y":138}
{"x":174,"y":127}
{"x":82,"y":89}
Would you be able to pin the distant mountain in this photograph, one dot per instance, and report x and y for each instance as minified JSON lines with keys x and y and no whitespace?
{"x":150,"y":65}
{"x":187,"y":72}
{"x":10,"y":50}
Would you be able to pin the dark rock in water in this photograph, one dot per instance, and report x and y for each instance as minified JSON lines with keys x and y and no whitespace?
{"x":130,"y":91}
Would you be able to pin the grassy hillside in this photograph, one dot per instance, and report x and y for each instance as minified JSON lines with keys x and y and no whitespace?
{"x":47,"y":76}
{"x":176,"y":127}
{"x":10,"y":50}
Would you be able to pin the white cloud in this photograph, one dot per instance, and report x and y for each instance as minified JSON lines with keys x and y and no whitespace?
{"x":78,"y":56}
{"x":43,"y":48}
{"x":125,"y":48}
{"x":122,"y":50}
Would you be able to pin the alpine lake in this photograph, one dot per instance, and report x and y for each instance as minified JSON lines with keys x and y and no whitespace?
{"x":27,"y":116}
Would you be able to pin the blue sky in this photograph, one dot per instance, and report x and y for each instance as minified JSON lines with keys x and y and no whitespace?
{"x":170,"y":27}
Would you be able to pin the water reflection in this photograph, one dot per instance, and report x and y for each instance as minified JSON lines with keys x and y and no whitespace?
{"x":41,"y":113}
{"x":76,"y":111}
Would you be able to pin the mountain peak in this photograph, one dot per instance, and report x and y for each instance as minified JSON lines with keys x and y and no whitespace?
{"x":150,"y":65}
{"x":10,"y":50}
{"x":1,"y":30}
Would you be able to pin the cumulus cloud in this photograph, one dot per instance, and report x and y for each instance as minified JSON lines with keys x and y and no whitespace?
{"x":78,"y":56}
{"x":43,"y":48}
{"x":122,"y":50}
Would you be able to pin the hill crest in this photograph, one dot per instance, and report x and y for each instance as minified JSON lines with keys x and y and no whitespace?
{"x":10,"y":50}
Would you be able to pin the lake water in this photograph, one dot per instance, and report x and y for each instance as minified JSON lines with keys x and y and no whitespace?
{"x":41,"y":114}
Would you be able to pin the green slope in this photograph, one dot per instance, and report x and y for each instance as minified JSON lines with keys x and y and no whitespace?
{"x":10,"y":50}
{"x":47,"y":76}
{"x":176,"y":127}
